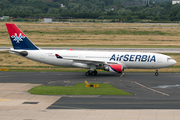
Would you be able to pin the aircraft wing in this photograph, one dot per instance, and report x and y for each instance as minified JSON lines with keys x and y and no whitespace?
{"x":94,"y":62}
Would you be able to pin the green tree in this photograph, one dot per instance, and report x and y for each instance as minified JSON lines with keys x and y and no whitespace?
{"x":129,"y":18}
{"x":178,"y":16}
{"x":2,"y":5}
{"x":53,"y":11}
{"x":156,"y":18}
{"x":142,"y":16}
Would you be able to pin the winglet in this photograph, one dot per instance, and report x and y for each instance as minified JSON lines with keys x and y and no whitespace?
{"x":19,"y":39}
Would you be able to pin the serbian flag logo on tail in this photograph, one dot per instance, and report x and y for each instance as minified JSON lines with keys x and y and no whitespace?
{"x":19,"y":39}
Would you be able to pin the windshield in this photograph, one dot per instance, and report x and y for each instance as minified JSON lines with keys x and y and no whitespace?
{"x":169,"y":59}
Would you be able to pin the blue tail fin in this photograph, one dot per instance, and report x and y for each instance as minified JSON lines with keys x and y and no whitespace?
{"x":19,"y":39}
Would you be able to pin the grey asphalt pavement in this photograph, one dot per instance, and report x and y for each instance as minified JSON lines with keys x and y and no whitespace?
{"x":149,"y":91}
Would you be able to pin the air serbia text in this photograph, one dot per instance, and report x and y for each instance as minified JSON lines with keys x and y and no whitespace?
{"x":133,"y":58}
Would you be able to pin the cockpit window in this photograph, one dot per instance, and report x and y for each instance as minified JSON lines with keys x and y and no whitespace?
{"x":169,"y":59}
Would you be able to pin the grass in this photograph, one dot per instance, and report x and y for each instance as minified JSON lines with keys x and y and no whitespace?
{"x":114,"y":46}
{"x":106,"y":46}
{"x":78,"y":89}
{"x":102,"y":35}
{"x":99,"y":32}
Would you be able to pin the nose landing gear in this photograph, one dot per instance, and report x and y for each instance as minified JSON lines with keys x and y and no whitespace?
{"x":156,"y":73}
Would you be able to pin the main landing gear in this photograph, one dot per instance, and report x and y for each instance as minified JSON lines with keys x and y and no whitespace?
{"x":156,"y":73}
{"x":93,"y":73}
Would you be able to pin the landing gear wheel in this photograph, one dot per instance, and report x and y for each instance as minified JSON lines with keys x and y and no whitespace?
{"x":94,"y":73}
{"x":156,"y":73}
{"x":87,"y":73}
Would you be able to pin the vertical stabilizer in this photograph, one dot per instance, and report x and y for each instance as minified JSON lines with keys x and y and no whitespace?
{"x":19,"y":39}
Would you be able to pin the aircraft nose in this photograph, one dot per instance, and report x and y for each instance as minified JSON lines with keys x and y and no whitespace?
{"x":174,"y":62}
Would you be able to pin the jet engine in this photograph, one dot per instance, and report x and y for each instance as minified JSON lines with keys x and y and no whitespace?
{"x":115,"y":68}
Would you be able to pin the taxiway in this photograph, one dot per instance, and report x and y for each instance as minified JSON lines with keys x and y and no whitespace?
{"x":149,"y":91}
{"x":155,"y":98}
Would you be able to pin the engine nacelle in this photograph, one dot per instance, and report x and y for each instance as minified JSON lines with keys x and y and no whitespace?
{"x":116,"y":68}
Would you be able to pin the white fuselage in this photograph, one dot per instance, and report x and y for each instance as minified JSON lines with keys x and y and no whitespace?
{"x":114,"y":62}
{"x":83,"y":59}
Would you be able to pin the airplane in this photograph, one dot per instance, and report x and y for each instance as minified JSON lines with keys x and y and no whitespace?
{"x":114,"y":62}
